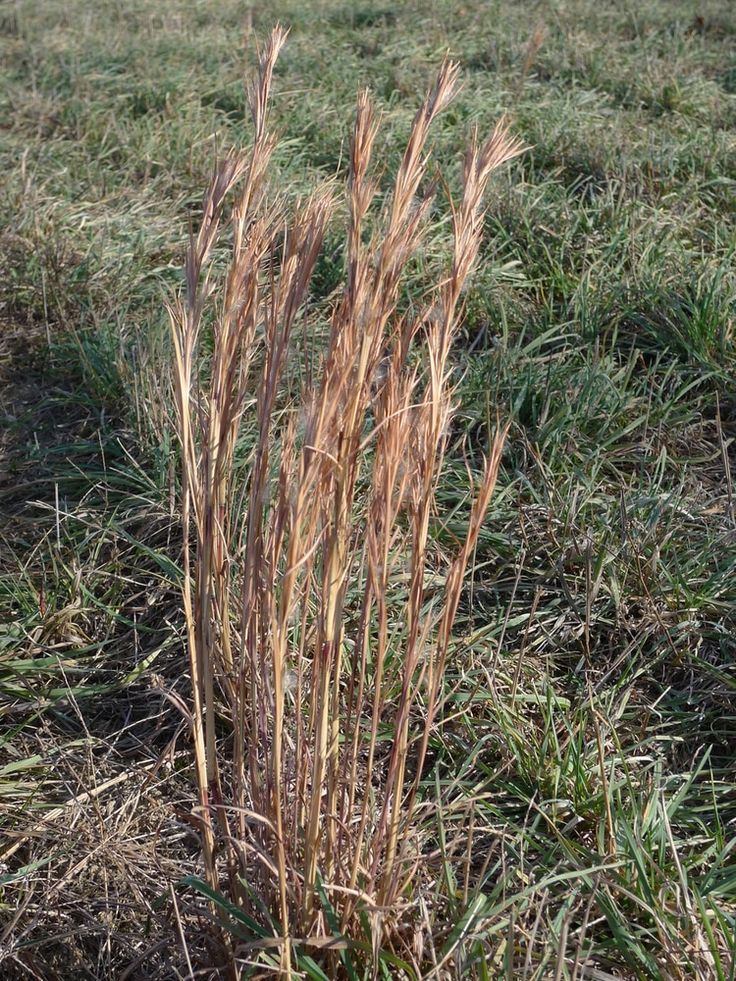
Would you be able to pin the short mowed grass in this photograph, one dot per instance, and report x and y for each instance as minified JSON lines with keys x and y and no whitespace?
{"x":581,"y":781}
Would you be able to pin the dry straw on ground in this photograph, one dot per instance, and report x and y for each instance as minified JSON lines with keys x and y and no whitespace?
{"x":315,"y":693}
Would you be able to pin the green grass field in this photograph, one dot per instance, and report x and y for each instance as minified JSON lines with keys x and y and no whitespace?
{"x":581,"y":782}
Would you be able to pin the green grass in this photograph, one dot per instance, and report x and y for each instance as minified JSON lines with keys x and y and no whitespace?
{"x":585,"y":769}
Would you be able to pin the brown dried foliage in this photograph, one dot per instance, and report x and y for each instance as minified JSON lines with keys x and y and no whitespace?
{"x":291,"y":631}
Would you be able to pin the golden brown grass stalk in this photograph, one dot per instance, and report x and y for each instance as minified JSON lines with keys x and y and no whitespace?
{"x":293,"y":636}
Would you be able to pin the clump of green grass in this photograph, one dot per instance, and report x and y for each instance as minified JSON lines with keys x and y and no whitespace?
{"x":331,"y":690}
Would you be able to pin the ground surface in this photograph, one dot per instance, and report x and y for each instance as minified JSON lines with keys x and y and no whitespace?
{"x":598,"y":652}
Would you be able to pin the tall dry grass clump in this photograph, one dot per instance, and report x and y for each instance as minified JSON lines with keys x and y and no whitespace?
{"x":315,"y":691}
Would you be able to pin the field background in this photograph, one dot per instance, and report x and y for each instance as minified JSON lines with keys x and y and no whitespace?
{"x":592,"y":743}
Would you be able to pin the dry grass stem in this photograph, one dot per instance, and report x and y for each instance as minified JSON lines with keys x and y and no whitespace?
{"x":293,"y":637}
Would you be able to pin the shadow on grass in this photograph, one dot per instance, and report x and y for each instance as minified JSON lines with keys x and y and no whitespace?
{"x":93,"y":754}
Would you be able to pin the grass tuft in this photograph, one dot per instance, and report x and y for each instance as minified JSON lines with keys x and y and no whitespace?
{"x":332,"y":692}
